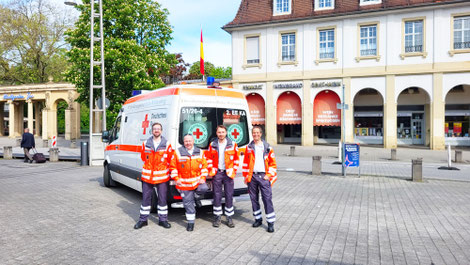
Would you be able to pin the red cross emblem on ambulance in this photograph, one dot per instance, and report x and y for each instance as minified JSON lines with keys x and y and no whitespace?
{"x":145,"y":123}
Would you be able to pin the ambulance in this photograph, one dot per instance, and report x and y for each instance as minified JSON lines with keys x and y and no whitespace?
{"x":181,"y":109}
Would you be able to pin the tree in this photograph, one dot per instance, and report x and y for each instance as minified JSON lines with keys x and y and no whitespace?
{"x":195,"y":72}
{"x":221,"y":72}
{"x":177,"y":72}
{"x":32,"y":44}
{"x":135,"y":36}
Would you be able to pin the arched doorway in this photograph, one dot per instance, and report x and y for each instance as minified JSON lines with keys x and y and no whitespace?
{"x":289,"y":118}
{"x":326,"y":117}
{"x":368,"y":116}
{"x":413,"y":117}
{"x":257,"y":108}
{"x":457,"y":116}
{"x":60,"y":127}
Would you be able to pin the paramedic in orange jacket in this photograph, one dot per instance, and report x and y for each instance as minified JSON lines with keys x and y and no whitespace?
{"x":222,"y":159}
{"x":259,"y":170}
{"x":156,"y":154}
{"x":189,"y":169}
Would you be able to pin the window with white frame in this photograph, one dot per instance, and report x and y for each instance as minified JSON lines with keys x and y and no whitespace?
{"x":327,"y":44}
{"x":369,"y":2}
{"x":288,"y":47}
{"x":414,"y":36}
{"x":368,"y":40}
{"x":281,"y":6}
{"x":462,"y":32}
{"x":324,"y":4}
{"x":252,"y":50}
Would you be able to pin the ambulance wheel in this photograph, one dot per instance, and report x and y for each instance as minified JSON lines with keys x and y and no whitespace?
{"x":107,"y":179}
{"x":154,"y":203}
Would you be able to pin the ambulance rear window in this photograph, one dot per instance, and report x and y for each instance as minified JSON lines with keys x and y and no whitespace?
{"x":202,"y":123}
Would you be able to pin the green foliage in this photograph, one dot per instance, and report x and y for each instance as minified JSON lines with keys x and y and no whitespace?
{"x":210,"y":70}
{"x":31,"y":42}
{"x":221,"y":72}
{"x":61,"y":107}
{"x":135,"y":36}
{"x":194,"y":71}
{"x":84,"y":118}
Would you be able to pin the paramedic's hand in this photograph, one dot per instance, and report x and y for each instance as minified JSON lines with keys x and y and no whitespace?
{"x":178,"y":182}
{"x":266,"y":177}
{"x":202,"y":181}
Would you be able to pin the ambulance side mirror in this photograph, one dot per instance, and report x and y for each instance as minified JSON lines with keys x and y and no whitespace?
{"x":105,"y":137}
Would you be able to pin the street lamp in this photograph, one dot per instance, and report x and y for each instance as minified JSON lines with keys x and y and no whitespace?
{"x":95,"y":145}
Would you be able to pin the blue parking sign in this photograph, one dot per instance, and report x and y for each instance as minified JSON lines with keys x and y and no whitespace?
{"x":351,"y":155}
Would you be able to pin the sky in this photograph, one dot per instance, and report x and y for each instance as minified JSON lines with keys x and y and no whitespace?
{"x":187,"y":17}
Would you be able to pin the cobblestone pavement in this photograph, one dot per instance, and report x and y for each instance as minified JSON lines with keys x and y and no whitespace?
{"x":60,"y":213}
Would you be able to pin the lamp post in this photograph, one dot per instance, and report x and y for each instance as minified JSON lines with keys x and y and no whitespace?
{"x":99,"y":155}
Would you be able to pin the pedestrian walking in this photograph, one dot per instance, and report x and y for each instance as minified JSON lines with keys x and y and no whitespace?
{"x":156,"y":154}
{"x":27,"y":142}
{"x":222,"y":160}
{"x":189,"y":170}
{"x":259,"y":170}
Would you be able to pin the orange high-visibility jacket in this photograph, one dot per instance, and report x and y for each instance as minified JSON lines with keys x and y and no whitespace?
{"x":187,"y":170}
{"x":269,"y":162}
{"x":231,"y":157}
{"x":156,"y":161}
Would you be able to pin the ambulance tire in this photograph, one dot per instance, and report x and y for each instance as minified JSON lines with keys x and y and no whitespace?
{"x":154,"y":203}
{"x":107,"y":178}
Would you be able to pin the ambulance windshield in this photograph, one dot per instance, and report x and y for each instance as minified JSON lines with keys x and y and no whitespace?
{"x":202,"y":123}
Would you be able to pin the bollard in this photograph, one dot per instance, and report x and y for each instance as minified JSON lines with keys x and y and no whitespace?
{"x":73,"y":144}
{"x":53,"y":154}
{"x":8,"y":152}
{"x":18,"y":141}
{"x":45,"y":143}
{"x":316,"y":165}
{"x":458,"y":156}
{"x":292,"y":151}
{"x":83,"y":153}
{"x":393,"y":154}
{"x":417,"y":170}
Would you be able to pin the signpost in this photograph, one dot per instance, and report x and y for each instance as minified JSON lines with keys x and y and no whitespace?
{"x":342,"y":106}
{"x":351,"y":157}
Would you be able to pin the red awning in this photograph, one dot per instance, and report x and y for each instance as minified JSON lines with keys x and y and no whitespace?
{"x":289,"y":109}
{"x":325,"y":112}
{"x":257,"y":108}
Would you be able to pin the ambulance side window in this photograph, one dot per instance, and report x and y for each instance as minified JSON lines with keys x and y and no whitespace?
{"x":117,"y":128}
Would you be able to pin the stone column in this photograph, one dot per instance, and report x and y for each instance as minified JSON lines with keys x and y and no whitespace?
{"x":76,"y":121}
{"x":437,"y":114}
{"x":390,"y":114}
{"x":19,"y":118}
{"x":2,"y":118}
{"x":427,"y":125}
{"x":307,"y":115}
{"x":271,"y":112}
{"x":349,"y":113}
{"x":38,"y":118}
{"x":11,"y":119}
{"x":30,"y":116}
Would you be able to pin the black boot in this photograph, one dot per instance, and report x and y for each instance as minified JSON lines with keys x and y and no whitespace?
{"x":230,"y":222}
{"x":257,"y":222}
{"x":140,"y":224}
{"x":165,"y":224}
{"x":217,"y":221}
{"x":270,"y":227}
{"x":190,"y":227}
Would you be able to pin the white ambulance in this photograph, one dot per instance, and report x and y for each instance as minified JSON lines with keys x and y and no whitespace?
{"x":181,"y":109}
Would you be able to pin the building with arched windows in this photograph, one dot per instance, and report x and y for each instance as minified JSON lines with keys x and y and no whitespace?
{"x":35,"y":107}
{"x":405,"y":67}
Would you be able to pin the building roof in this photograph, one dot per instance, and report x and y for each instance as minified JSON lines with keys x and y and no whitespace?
{"x":258,"y":12}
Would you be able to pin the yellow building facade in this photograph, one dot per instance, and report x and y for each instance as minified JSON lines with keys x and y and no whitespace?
{"x":35,"y":107}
